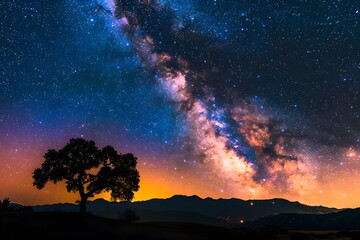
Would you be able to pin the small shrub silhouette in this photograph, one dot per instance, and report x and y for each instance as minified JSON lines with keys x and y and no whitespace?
{"x":5,"y":205}
{"x":129,"y":216}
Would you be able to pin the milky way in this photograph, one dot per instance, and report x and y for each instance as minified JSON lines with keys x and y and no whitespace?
{"x":241,"y":144}
{"x":248,"y":100}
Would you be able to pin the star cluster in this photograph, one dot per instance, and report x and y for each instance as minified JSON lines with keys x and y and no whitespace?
{"x":247,"y":99}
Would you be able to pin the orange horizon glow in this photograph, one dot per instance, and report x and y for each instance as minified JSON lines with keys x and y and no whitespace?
{"x":155,"y":183}
{"x":336,"y":188}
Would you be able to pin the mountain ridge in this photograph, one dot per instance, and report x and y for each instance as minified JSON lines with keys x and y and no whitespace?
{"x":210,"y":198}
{"x":181,"y":208}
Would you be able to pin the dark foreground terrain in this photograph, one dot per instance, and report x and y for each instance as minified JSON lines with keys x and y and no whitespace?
{"x":30,"y":225}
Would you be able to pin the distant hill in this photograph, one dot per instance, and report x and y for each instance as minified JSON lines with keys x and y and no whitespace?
{"x":344,"y":220}
{"x":217,"y":212}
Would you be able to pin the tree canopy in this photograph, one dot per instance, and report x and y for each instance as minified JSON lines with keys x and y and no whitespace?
{"x":89,"y":170}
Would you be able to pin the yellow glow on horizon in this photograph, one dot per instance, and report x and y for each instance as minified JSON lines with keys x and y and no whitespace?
{"x":336,"y":188}
{"x":148,"y":190}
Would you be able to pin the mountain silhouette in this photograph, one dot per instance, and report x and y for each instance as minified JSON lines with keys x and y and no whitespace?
{"x":193,"y":209}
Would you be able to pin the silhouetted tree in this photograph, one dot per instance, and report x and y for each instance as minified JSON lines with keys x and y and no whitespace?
{"x":5,"y":204}
{"x":89,"y":170}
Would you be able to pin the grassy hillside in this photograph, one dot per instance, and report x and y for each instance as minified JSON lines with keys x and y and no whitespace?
{"x":17,"y":225}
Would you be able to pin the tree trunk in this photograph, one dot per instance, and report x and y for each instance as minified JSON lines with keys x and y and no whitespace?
{"x":82,"y":205}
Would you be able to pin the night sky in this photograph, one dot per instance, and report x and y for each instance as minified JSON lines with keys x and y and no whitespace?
{"x":219,"y":98}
